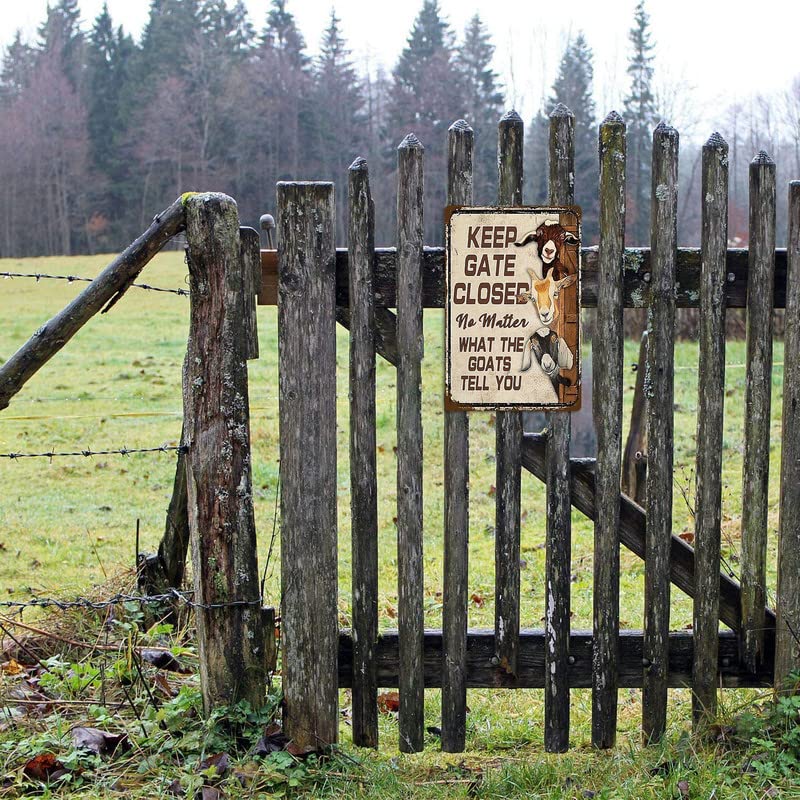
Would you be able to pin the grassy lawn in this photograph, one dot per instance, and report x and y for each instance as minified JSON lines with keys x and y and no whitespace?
{"x":70,"y":524}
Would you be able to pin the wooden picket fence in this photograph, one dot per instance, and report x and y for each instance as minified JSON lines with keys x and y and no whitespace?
{"x":315,"y":285}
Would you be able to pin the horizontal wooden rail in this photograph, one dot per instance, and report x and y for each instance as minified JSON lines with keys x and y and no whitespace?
{"x":636,"y":287}
{"x":632,"y":530}
{"x":481,"y":674}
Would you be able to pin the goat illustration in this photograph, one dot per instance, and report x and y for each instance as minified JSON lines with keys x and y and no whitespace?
{"x":550,"y":240}
{"x":551,"y":350}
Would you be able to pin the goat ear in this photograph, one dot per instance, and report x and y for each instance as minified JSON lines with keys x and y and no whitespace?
{"x":524,"y":297}
{"x":568,"y":281}
{"x":533,"y":276}
{"x":528,"y":237}
{"x":570,"y":238}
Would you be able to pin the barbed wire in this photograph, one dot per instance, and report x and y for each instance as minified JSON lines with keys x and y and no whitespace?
{"x":120,"y":451}
{"x":120,"y":598}
{"x":76,"y":278}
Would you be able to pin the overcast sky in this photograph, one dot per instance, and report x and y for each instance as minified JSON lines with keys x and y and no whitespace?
{"x":714,"y":51}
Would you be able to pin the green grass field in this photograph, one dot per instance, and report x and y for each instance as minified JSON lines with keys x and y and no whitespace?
{"x":70,"y":524}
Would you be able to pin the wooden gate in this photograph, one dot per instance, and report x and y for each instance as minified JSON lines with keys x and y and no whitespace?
{"x":315,"y":286}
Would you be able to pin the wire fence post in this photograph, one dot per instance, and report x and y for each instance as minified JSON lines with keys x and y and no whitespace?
{"x":231,"y":641}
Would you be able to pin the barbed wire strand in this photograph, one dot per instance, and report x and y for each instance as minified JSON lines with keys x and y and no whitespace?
{"x":38,"y":276}
{"x":120,"y":451}
{"x":120,"y":598}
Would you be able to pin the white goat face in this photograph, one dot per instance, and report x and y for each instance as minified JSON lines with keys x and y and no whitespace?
{"x":544,"y":295}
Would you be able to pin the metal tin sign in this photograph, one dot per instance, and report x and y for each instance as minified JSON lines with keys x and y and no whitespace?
{"x":512,"y":310}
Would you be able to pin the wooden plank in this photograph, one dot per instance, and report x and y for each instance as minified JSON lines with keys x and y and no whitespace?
{"x":100,"y":295}
{"x":363,"y":469}
{"x":607,"y":412}
{"x":251,"y":261}
{"x":711,"y":396}
{"x":757,"y":404}
{"x":634,"y":460}
{"x":307,"y":411}
{"x":456,"y":498}
{"x":632,"y":529}
{"x":635,"y":289}
{"x":558,"y":540}
{"x":510,"y":137}
{"x":787,"y":655}
{"x":659,"y":388}
{"x":530,"y":673}
{"x":410,"y":616}
{"x":231,"y":644}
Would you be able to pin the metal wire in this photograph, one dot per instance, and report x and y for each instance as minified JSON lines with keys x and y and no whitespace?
{"x":119,"y":599}
{"x":73,"y":278}
{"x":120,"y":451}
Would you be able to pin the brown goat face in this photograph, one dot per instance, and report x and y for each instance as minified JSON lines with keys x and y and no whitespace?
{"x":550,"y":241}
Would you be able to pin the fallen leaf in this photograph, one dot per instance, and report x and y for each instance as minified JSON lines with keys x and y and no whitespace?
{"x":97,"y":741}
{"x":163,"y":659}
{"x":209,"y":793}
{"x":272,"y":741}
{"x":218,"y":762}
{"x":683,"y":788}
{"x":163,"y":685}
{"x":388,"y":702}
{"x":477,"y":600}
{"x":299,"y":752}
{"x":391,"y":611}
{"x":12,"y":667}
{"x":44,"y":767}
{"x":175,"y":788}
{"x":687,"y":536}
{"x":492,"y":491}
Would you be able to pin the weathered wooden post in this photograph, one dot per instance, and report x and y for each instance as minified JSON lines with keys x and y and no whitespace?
{"x":456,"y":498}
{"x":787,"y":646}
{"x":410,"y":595}
{"x":233,"y":659}
{"x":607,"y":408}
{"x":508,"y":441}
{"x":363,"y":457}
{"x":710,"y":402}
{"x":307,"y":397}
{"x":659,"y":389}
{"x":559,"y":490}
{"x":757,"y":405}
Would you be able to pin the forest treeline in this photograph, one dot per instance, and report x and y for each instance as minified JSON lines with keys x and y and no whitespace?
{"x":98,"y":132}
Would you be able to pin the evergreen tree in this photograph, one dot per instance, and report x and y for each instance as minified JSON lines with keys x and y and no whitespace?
{"x":61,"y":34}
{"x":282,"y":34}
{"x":171,"y":31}
{"x":483,"y":104}
{"x":573,"y":88}
{"x":338,"y":103}
{"x":537,"y":142}
{"x":427,"y":97}
{"x":109,"y":58}
{"x":17,"y":65}
{"x":640,"y":117}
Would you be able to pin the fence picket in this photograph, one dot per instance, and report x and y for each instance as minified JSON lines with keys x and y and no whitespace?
{"x":559,"y":506}
{"x":411,"y":623}
{"x":711,"y":396}
{"x":231,"y":642}
{"x":607,"y":409}
{"x":250,"y":244}
{"x":757,"y":403}
{"x":510,"y":136}
{"x":363,"y":470}
{"x":659,"y":388}
{"x":787,"y":646}
{"x":307,"y":411}
{"x":456,"y":499}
